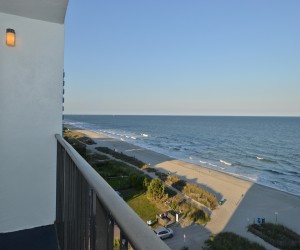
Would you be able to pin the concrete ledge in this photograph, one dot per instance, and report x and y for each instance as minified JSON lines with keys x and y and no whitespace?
{"x":30,"y":239}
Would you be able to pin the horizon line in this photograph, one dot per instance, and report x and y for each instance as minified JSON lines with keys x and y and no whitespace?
{"x":286,"y":116}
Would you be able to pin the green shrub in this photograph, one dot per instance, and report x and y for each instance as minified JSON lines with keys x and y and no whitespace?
{"x":201,"y":195}
{"x":193,"y":191}
{"x":71,"y":134}
{"x":146,"y":183}
{"x":277,"y":235}
{"x":78,"y":146}
{"x":111,"y":168}
{"x":173,"y":205}
{"x":230,"y":241}
{"x":151,"y":170}
{"x":198,"y":215}
{"x":137,"y":181}
{"x":156,"y":189}
{"x":121,"y":156}
{"x":161,"y":176}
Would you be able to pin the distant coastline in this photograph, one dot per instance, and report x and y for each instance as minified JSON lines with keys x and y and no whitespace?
{"x":254,"y":158}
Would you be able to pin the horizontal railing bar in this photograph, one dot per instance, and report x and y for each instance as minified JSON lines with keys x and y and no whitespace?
{"x":139,"y":235}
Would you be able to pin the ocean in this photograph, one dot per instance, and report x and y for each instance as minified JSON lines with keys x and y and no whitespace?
{"x":265,"y":150}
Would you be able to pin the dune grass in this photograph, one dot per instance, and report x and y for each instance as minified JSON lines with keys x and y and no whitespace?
{"x":123,"y":157}
{"x":71,"y":134}
{"x":230,"y":241}
{"x":277,"y":235}
{"x":195,"y":192}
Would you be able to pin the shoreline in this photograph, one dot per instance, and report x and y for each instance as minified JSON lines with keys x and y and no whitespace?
{"x":238,"y":176}
{"x":246,"y":201}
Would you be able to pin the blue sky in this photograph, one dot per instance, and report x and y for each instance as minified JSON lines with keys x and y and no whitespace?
{"x":176,"y":57}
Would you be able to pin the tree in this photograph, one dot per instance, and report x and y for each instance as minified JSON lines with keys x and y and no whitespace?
{"x":146,"y":183}
{"x":156,"y":189}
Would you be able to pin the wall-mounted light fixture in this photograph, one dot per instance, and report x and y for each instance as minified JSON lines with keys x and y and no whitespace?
{"x":10,"y":37}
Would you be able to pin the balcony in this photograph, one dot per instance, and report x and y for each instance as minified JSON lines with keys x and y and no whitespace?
{"x":89,"y":211}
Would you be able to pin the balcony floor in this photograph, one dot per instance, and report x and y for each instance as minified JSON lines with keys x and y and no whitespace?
{"x":34,"y":239}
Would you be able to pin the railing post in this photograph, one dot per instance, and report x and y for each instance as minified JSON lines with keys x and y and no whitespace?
{"x":93,"y":219}
{"x":86,"y":214}
{"x":123,"y":241}
{"x":104,"y":228}
{"x":66,"y":202}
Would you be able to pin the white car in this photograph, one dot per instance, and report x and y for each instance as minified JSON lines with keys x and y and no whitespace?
{"x":163,"y":232}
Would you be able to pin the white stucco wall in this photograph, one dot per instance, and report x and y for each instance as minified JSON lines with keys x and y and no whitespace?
{"x":31,"y":76}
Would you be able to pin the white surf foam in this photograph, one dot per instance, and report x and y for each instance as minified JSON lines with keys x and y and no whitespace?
{"x":226,"y":163}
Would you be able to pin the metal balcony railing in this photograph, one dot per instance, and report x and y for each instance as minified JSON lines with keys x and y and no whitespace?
{"x":88,"y":209}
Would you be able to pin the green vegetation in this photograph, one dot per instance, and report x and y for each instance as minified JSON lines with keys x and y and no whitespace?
{"x":198,"y":215}
{"x":120,"y":175}
{"x":112,"y":168}
{"x":156,"y":190}
{"x":70,"y":134}
{"x":78,"y":146}
{"x":151,"y":170}
{"x":78,"y":141}
{"x":139,"y":202}
{"x":193,"y":191}
{"x":123,"y":157}
{"x":161,"y":176}
{"x":230,"y":241}
{"x":189,"y":211}
{"x":117,"y":244}
{"x":277,"y":235}
{"x":133,"y":183}
{"x":99,"y":157}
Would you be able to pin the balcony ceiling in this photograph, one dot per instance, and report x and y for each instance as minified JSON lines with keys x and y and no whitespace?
{"x":45,"y":10}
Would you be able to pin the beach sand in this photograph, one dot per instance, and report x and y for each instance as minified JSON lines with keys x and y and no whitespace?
{"x":245,"y":201}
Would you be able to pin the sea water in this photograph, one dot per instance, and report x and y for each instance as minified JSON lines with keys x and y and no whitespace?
{"x":265,"y":150}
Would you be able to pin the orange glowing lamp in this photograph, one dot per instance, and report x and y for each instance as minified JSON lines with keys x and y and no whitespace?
{"x":10,"y":37}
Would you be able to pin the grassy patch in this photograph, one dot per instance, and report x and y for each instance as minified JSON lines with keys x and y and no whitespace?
{"x":230,"y":241}
{"x":120,"y":175}
{"x":119,"y":183}
{"x":143,"y":206}
{"x":121,"y":156}
{"x":277,"y":235}
{"x":112,"y":168}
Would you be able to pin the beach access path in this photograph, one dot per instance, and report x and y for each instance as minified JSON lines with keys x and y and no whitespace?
{"x":245,"y":201}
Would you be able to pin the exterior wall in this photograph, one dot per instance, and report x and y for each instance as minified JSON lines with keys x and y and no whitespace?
{"x":31,"y":75}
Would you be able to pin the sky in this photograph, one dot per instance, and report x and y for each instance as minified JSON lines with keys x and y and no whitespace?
{"x":183,"y":57}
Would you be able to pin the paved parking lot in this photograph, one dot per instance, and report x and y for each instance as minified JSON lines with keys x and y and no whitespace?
{"x":195,"y":235}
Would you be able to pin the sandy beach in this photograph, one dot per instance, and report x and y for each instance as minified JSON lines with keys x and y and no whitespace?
{"x":245,"y":201}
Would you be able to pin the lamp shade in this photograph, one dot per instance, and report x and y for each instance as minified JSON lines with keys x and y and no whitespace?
{"x":10,"y":37}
